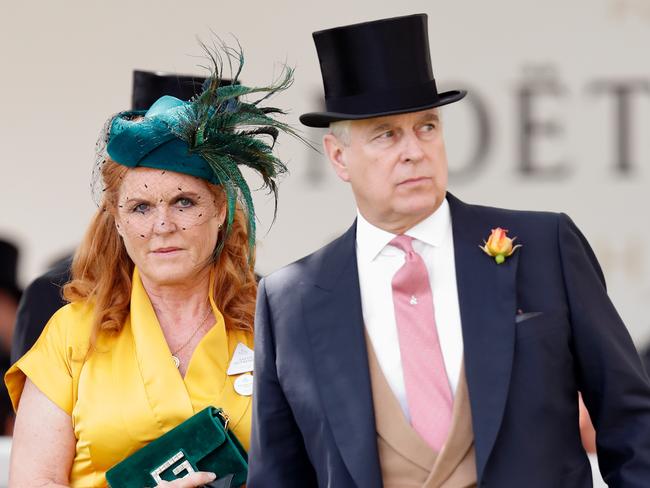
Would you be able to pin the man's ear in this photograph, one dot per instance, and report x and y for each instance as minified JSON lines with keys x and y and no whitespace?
{"x":336,"y":153}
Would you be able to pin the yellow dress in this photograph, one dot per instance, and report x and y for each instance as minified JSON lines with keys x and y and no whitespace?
{"x":127,"y":392}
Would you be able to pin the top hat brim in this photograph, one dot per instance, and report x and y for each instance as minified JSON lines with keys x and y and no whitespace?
{"x":149,"y":86}
{"x":323,"y":119}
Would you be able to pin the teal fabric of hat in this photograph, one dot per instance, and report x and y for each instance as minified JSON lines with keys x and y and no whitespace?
{"x":150,"y":139}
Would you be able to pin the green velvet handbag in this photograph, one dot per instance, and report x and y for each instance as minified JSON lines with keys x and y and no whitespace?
{"x":201,"y":443}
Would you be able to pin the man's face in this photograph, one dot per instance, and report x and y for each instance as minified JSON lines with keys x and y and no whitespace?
{"x":397,"y":166}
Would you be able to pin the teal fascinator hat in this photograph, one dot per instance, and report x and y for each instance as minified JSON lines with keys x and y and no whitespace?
{"x":210,"y":137}
{"x":150,"y":139}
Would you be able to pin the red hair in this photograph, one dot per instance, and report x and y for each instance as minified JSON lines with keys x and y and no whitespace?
{"x":102,"y":269}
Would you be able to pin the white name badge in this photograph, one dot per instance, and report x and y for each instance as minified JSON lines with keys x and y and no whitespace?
{"x":242,"y":360}
{"x":244,"y":384}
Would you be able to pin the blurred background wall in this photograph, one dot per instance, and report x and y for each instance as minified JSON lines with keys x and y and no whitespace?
{"x":557,"y":119}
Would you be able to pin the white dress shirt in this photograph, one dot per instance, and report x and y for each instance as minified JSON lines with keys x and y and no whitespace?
{"x":378,"y":262}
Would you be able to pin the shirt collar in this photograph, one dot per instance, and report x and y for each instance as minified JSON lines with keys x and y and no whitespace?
{"x":432,"y":231}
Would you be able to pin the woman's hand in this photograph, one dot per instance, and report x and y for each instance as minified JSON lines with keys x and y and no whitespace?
{"x":192,"y":480}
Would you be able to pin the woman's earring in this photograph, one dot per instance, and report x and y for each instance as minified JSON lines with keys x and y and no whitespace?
{"x":220,"y":226}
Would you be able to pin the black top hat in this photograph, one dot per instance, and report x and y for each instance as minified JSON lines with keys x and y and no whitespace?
{"x":8,"y":268}
{"x":376,"y":68}
{"x":149,"y":86}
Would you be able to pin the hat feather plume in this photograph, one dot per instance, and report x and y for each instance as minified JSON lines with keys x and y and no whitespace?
{"x":228,"y":132}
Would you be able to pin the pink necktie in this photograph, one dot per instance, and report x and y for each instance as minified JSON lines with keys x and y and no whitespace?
{"x":427,"y":387}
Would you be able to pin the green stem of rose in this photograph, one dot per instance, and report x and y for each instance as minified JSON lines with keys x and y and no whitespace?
{"x":499,"y":258}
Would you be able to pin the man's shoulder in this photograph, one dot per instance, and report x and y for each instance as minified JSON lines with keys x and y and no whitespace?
{"x":51,"y":281}
{"x":510,"y":214}
{"x":541,"y":232}
{"x":515,"y":220}
{"x":308,"y":268}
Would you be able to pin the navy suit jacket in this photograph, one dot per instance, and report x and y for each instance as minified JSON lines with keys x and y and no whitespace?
{"x":313,"y":420}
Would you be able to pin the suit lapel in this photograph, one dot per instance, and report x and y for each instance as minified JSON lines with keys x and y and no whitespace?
{"x":333,"y":314}
{"x":487,"y":297}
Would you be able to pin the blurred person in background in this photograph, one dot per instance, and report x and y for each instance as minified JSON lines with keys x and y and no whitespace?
{"x":423,"y":347}
{"x":40,"y":300}
{"x":162,"y":292}
{"x":10,"y":294}
{"x":44,"y":295}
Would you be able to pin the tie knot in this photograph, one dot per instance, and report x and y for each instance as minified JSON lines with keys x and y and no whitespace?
{"x":405,"y":243}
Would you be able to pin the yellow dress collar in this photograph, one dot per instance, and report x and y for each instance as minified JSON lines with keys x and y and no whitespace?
{"x":172,"y":397}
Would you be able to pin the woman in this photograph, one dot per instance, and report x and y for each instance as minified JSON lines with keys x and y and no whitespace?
{"x":162,"y":296}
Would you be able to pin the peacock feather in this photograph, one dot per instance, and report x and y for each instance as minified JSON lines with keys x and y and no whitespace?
{"x":228,"y":132}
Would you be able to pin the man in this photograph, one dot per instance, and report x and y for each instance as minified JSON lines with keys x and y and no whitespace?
{"x":409,"y":352}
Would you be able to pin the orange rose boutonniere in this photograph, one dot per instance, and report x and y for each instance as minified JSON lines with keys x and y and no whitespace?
{"x":499,"y":245}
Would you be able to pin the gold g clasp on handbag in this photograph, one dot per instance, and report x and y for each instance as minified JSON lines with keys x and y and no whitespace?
{"x":226,"y":419}
{"x":184,"y":466}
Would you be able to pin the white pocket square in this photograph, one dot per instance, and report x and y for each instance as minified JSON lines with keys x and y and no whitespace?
{"x":521,"y":317}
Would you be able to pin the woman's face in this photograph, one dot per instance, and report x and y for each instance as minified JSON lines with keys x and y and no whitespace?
{"x":169,"y":223}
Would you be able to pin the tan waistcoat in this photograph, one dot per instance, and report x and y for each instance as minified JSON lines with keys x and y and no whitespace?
{"x":406,"y":460}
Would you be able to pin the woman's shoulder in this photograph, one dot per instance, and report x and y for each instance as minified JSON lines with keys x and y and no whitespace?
{"x":79,"y":312}
{"x":72,"y":323}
